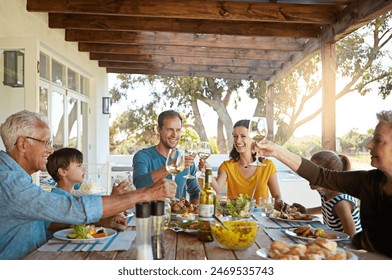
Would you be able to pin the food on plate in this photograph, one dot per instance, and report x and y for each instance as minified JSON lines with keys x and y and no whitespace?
{"x":240,"y":234}
{"x":311,"y":232}
{"x":320,"y":249}
{"x":235,"y":206}
{"x":292,"y":214}
{"x":182,"y":206}
{"x":87,"y":232}
{"x":185,"y":217}
{"x":192,"y":225}
{"x":88,"y":188}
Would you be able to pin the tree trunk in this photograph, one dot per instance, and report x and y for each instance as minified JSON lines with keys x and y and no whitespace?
{"x":199,"y":126}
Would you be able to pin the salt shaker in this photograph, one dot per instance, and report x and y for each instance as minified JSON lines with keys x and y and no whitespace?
{"x":158,"y":221}
{"x":143,"y":231}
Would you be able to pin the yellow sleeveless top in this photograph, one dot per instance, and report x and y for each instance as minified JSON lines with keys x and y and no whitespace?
{"x":238,"y":184}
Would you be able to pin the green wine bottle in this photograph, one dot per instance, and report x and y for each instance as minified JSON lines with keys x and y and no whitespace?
{"x":206,"y":208}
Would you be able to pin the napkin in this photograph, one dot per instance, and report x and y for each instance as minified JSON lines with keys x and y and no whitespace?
{"x":122,"y":241}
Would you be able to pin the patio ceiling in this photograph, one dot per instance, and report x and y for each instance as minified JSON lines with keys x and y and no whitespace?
{"x":259,"y":40}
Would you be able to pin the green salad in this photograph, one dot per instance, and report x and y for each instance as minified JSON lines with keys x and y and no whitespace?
{"x":238,"y":207}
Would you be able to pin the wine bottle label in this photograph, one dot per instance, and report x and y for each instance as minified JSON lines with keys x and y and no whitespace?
{"x":206,"y":210}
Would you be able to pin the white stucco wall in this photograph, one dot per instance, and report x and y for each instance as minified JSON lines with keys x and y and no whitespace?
{"x":29,"y":31}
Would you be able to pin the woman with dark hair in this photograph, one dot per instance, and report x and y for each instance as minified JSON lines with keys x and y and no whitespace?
{"x":241,"y":177}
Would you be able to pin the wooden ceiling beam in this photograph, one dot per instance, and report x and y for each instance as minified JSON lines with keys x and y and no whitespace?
{"x":354,"y":17}
{"x":196,"y":9}
{"x":121,"y":23}
{"x":162,"y":59}
{"x":188,"y":74}
{"x":189,"y":67}
{"x":186,"y":39}
{"x":187,"y":51}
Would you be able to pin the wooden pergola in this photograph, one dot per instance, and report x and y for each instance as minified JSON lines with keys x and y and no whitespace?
{"x":259,"y":40}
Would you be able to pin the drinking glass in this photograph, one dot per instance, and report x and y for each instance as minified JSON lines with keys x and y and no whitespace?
{"x":267,"y":204}
{"x":258,"y":130}
{"x":204,"y":152}
{"x":175,"y":162}
{"x":190,"y":149}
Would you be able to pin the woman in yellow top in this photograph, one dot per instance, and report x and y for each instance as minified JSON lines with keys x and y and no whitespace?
{"x":241,"y":177}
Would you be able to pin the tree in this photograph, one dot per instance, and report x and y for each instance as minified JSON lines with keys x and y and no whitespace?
{"x":361,"y":58}
{"x":182,"y":94}
{"x":361,"y":63}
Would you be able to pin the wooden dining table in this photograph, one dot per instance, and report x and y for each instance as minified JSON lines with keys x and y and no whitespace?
{"x":182,"y":246}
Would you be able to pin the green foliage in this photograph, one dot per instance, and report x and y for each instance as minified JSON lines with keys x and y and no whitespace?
{"x":304,"y":146}
{"x":360,"y":61}
{"x":353,"y":141}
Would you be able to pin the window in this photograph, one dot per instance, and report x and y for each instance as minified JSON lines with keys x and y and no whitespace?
{"x":58,"y":73}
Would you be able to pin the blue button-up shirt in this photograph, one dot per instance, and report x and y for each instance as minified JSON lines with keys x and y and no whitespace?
{"x":26,"y":210}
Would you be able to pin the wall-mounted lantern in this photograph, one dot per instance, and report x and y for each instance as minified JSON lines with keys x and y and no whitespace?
{"x":13,"y":68}
{"x":106,"y":104}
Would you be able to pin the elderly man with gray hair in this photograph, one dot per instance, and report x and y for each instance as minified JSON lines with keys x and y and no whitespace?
{"x":26,"y":210}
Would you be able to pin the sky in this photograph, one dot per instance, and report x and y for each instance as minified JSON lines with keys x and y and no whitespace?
{"x":352,"y":111}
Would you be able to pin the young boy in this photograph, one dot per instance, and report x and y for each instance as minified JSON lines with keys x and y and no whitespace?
{"x":66,"y":168}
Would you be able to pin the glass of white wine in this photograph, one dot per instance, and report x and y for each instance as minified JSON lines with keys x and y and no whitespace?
{"x":175,"y":162}
{"x":204,"y":152}
{"x":258,"y":130}
{"x":190,"y":149}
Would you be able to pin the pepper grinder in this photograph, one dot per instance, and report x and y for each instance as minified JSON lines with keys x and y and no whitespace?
{"x":143,"y":231}
{"x":158,"y":222}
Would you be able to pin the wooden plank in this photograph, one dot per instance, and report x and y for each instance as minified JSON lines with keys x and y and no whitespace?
{"x":188,"y":74}
{"x":163,"y":59}
{"x":189,"y":248}
{"x":187,"y":51}
{"x":121,"y":23}
{"x":213,"y":252}
{"x":195,"y":9}
{"x":188,"y":67}
{"x":187,"y":39}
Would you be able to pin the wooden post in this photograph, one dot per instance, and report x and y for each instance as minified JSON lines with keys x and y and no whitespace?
{"x":328,"y":135}
{"x":269,"y":108}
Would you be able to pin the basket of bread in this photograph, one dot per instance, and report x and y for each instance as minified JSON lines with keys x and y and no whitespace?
{"x":320,"y":249}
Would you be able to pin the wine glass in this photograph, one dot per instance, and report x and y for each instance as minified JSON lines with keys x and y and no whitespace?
{"x":190,"y":149}
{"x":267,"y":204}
{"x":175,"y":162}
{"x":258,"y":130}
{"x":204,"y":152}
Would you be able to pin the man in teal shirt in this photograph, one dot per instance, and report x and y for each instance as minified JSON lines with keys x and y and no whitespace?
{"x":149,"y":163}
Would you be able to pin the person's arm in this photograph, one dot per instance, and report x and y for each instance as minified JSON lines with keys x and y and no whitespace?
{"x":218,"y":183}
{"x":142,"y":175}
{"x":311,"y":211}
{"x":114,"y":204}
{"x":270,"y":149}
{"x":343,"y":210}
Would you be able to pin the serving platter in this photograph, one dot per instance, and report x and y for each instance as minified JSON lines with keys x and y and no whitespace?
{"x":340,"y":236}
{"x":263,"y":253}
{"x":63,"y":235}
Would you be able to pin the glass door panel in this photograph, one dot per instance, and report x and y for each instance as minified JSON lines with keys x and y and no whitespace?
{"x":72,"y":112}
{"x":57,"y":117}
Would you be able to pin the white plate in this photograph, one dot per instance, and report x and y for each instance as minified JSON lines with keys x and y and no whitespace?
{"x":63,"y":235}
{"x":340,"y":236}
{"x":263,"y":252}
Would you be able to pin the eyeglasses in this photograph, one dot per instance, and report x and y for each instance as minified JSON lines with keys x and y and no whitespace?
{"x":48,"y":144}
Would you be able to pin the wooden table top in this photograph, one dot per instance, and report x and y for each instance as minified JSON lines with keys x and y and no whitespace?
{"x":180,"y":246}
